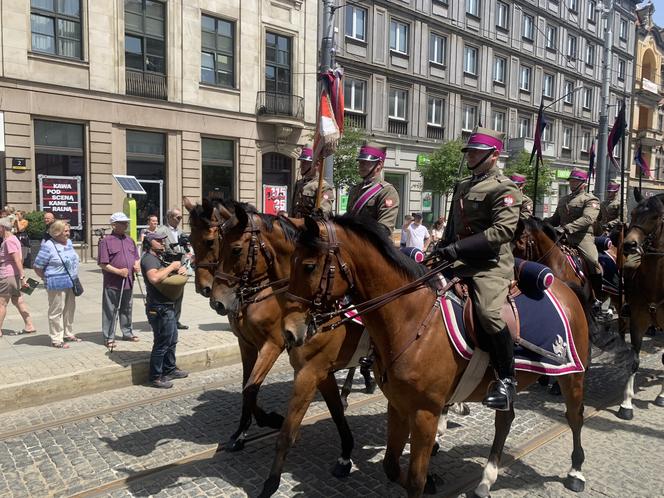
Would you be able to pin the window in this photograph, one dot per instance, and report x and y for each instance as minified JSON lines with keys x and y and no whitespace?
{"x":592,"y":11}
{"x":524,"y":78}
{"x":587,"y":98}
{"x":399,"y":36}
{"x":218,"y":51}
{"x":473,"y":7}
{"x":56,"y":27}
{"x":356,"y":21}
{"x":621,"y":69}
{"x":568,"y":95}
{"x":573,"y":5}
{"x":354,"y":95}
{"x":499,"y":65}
{"x":502,"y":15}
{"x":435,"y":112}
{"x":146,"y":160}
{"x":217,"y":168}
{"x":470,"y":60}
{"x":528,"y":26}
{"x":524,"y":127}
{"x":623,"y":29}
{"x":546,"y":133}
{"x":590,"y":54}
{"x":469,"y":117}
{"x":398,"y":104}
{"x":585,"y":141}
{"x":567,"y":137}
{"x":145,"y":42}
{"x":498,"y":121}
{"x":571,"y":46}
{"x":547,"y":85}
{"x":59,"y":151}
{"x":437,"y":48}
{"x":551,"y":37}
{"x":278,"y":66}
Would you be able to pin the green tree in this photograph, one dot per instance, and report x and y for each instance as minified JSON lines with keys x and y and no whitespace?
{"x":520,"y":164}
{"x":345,"y":157}
{"x":441,"y":172}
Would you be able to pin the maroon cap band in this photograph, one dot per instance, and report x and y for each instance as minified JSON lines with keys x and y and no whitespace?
{"x":366,"y":150}
{"x":481,"y":139}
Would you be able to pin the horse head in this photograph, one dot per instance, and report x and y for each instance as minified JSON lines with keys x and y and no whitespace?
{"x":646,"y":224}
{"x":533,"y":239}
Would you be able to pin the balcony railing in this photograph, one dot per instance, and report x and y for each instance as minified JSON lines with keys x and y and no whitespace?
{"x":149,"y":85}
{"x":397,"y":127}
{"x":435,"y":132}
{"x":354,"y":120}
{"x":279,"y":104}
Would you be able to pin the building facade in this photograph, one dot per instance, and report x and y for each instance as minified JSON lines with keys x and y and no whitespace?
{"x":193,"y":97}
{"x":648,"y":108}
{"x":420,"y":72}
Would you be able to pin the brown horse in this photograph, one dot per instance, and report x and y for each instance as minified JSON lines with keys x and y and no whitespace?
{"x":255,"y":254}
{"x":416,"y":362}
{"x":645,"y":287}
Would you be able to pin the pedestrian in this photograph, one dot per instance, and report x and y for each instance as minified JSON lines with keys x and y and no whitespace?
{"x":174,"y":247}
{"x":49,"y":218}
{"x":57,"y":264}
{"x":482,"y":222}
{"x":22,"y":234}
{"x":164,"y":283}
{"x":418,"y":235}
{"x":118,"y":259}
{"x":527,"y":207}
{"x":12,"y":277}
{"x":437,"y":230}
{"x":405,"y":235}
{"x":153,"y":223}
{"x":306,"y":189}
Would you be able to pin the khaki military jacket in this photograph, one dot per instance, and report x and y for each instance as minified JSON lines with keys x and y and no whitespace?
{"x":304,"y":198}
{"x":609,"y":213}
{"x":576,"y":213}
{"x":527,"y":207}
{"x":382,"y":207}
{"x":488,"y":204}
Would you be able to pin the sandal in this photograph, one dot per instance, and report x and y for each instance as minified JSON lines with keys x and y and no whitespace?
{"x":110,"y":344}
{"x":131,"y":338}
{"x":60,"y":345}
{"x":72,"y":338}
{"x":28,"y":331}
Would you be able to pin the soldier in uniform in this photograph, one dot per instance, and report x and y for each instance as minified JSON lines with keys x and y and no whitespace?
{"x":574,"y":218}
{"x":483,"y":219}
{"x":306,"y":189}
{"x":609,"y":210}
{"x":374,"y":197}
{"x":527,"y":208}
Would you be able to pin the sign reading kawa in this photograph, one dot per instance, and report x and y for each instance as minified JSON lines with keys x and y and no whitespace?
{"x":61,"y":195}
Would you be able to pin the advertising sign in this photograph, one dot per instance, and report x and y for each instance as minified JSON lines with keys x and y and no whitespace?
{"x":427,"y":202}
{"x":275,"y":198}
{"x":61,"y":195}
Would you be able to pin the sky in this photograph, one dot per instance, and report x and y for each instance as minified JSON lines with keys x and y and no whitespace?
{"x":659,"y":13}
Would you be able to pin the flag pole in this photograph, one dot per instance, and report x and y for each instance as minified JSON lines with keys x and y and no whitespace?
{"x":537,"y":149}
{"x":621,"y":236}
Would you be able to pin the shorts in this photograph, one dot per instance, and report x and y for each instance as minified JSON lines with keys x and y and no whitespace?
{"x":10,"y":286}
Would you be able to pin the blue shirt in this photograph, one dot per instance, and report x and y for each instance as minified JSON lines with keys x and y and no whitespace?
{"x":56,"y":260}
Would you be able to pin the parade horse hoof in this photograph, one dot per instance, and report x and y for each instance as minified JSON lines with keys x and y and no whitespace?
{"x":272,"y":420}
{"x":555,"y":389}
{"x":270,"y":486}
{"x":435,"y":449}
{"x":575,"y":484}
{"x":430,"y":487}
{"x":482,"y":491}
{"x":234,"y":444}
{"x":342,"y":468}
{"x":625,"y":413}
{"x":659,"y":401}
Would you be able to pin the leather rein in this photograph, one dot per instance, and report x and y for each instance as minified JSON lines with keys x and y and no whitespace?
{"x":646,"y":247}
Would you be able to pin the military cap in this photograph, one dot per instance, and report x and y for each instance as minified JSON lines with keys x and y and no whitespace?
{"x":372,"y":151}
{"x":578,"y":174}
{"x":518,"y":179}
{"x":613,"y":186}
{"x":307,"y":154}
{"x":484,"y":139}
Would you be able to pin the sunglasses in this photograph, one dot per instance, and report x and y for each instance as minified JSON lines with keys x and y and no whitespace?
{"x":179,"y":218}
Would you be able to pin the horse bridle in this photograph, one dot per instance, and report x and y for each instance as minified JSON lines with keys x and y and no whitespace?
{"x":220,"y":228}
{"x":650,"y":238}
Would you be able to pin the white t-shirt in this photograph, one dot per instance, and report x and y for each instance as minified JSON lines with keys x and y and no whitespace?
{"x":417,"y":234}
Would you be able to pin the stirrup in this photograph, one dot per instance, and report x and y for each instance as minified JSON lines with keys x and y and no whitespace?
{"x":366,"y":361}
{"x":500,"y":394}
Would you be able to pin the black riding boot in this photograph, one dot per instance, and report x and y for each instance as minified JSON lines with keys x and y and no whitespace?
{"x":596,"y":282}
{"x":501,"y":392}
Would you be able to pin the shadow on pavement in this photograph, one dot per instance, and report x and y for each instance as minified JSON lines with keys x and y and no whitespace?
{"x":34,"y":340}
{"x":215,"y":327}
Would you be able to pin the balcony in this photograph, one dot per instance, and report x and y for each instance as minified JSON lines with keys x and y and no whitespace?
{"x":280,"y":109}
{"x":435,"y":132}
{"x":647,"y":91}
{"x":516,"y":145}
{"x":148,"y":85}
{"x":650,"y":137}
{"x":397,"y":126}
{"x":354,"y":120}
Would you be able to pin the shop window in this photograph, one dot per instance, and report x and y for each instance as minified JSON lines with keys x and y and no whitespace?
{"x":218,"y":168}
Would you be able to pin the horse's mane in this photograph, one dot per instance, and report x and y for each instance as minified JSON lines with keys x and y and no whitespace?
{"x":534,"y":224}
{"x":202,"y":213}
{"x":287,"y":227}
{"x":654,"y":204}
{"x":373,"y":232}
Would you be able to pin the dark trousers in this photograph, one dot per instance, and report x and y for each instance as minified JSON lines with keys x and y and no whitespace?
{"x":110,"y":301}
{"x":164,"y":327}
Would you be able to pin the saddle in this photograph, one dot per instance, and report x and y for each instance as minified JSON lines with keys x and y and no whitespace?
{"x":572,"y":255}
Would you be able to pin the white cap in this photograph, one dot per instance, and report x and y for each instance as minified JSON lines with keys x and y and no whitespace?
{"x":119,"y":216}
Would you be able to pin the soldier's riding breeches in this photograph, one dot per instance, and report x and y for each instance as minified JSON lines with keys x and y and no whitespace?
{"x":488,"y":293}
{"x":588,"y":251}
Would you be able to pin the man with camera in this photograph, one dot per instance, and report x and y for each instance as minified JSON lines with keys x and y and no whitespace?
{"x":164,"y":286}
{"x":177,"y":247}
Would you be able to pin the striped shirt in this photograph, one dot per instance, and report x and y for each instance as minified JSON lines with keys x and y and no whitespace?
{"x":55,"y":272}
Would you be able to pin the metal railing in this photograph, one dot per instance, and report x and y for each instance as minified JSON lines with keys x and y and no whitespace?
{"x":149,"y":85}
{"x":435,"y":132}
{"x":279,"y":104}
{"x":397,"y":127}
{"x":353,"y":120}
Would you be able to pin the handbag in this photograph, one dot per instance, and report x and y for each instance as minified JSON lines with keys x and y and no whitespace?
{"x":77,"y":287}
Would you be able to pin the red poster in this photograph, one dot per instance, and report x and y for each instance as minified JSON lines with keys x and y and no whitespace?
{"x":275,"y":198}
{"x":61,"y":195}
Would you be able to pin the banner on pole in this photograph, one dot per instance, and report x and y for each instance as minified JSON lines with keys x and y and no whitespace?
{"x":61,"y":195}
{"x":275,"y":199}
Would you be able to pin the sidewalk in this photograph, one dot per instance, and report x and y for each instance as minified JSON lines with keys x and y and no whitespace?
{"x":33,"y":372}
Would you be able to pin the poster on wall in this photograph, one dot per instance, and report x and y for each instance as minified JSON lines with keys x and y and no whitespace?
{"x":275,"y":198}
{"x":427,"y":202}
{"x":61,"y":195}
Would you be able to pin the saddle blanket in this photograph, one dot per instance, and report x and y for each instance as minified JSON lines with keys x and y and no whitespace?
{"x":543,"y":323}
{"x":610,"y":277}
{"x":576,"y":264}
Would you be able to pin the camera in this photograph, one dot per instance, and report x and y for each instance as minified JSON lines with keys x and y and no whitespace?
{"x":183,"y":242}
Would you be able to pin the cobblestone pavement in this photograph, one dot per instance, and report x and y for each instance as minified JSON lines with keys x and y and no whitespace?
{"x":622,"y":458}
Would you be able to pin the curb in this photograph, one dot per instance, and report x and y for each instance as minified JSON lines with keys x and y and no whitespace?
{"x":83,"y":382}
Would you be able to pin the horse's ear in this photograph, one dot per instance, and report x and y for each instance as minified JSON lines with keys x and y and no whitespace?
{"x":241,"y":216}
{"x":311,"y":226}
{"x":186,"y":201}
{"x":637,"y":194}
{"x":225,"y":213}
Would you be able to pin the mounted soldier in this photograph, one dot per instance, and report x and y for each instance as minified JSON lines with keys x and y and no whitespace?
{"x":483,"y":219}
{"x":306,"y":188}
{"x":609,"y":212}
{"x":374,"y":197}
{"x":527,"y":207}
